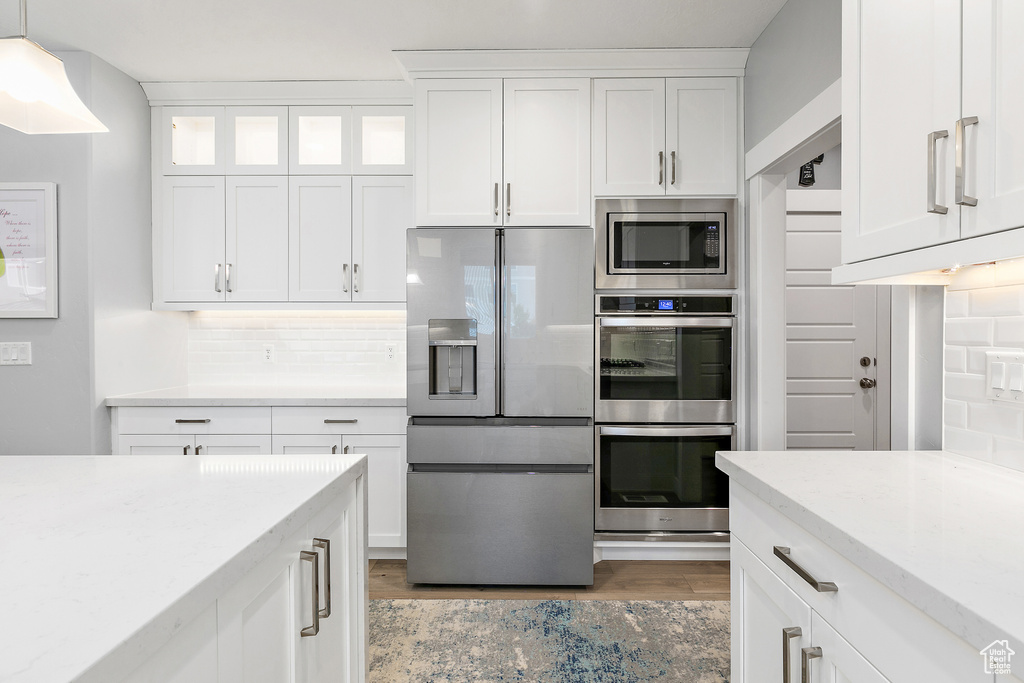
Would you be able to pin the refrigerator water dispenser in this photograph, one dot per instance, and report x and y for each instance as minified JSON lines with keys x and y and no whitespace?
{"x":453,"y":347}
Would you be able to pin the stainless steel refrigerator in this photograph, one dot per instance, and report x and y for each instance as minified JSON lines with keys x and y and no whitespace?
{"x":500,"y":398}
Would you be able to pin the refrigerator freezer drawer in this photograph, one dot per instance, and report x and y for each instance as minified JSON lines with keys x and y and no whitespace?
{"x":501,"y":445}
{"x":525,"y":529}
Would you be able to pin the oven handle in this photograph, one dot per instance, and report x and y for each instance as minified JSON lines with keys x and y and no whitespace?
{"x":665,"y":431}
{"x":656,"y":321}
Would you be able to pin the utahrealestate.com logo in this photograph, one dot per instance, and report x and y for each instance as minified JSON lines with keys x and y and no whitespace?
{"x":997,"y":657}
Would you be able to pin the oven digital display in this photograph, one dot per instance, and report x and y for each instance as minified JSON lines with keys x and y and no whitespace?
{"x":665,"y":305}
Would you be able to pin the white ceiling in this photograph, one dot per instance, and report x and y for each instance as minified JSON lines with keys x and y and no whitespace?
{"x":257,"y":40}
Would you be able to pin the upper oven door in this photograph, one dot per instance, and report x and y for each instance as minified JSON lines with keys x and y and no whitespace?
{"x":666,"y":243}
{"x":665,"y":369}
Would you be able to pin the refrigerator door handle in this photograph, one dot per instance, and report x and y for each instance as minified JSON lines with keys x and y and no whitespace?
{"x":499,"y":327}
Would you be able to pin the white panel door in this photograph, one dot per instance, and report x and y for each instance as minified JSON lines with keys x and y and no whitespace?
{"x":458,"y":152}
{"x":993,"y":61}
{"x":547,"y":151}
{"x":233,"y":444}
{"x":155,"y":444}
{"x":257,"y":239}
{"x":829,"y":328}
{"x":307,"y":444}
{"x":763,"y":608}
{"x":701,"y":136}
{"x":382,"y":210}
{"x":629,"y":136}
{"x":839,"y":661}
{"x":901,"y":77}
{"x":320,"y":238}
{"x":193,"y":238}
{"x":386,"y":470}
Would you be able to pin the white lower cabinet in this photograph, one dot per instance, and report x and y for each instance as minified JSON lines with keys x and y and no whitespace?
{"x":195,"y":444}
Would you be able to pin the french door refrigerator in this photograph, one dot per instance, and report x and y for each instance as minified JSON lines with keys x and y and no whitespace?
{"x":500,"y":399}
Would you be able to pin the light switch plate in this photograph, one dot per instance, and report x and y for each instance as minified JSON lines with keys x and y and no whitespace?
{"x":15,"y":353}
{"x":1004,"y":375}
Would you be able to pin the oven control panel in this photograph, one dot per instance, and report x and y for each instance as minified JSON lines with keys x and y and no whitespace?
{"x":671,"y":304}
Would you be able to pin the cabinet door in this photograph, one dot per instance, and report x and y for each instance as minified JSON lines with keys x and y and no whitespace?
{"x":547,"y":151}
{"x":993,"y":60}
{"x":257,"y":140}
{"x":701,"y":136}
{"x":193,"y":238}
{"x":386,"y":480}
{"x":458,"y":152}
{"x":901,"y":82}
{"x":629,"y":136}
{"x":839,"y":661}
{"x":192,"y":140}
{"x":233,"y":444}
{"x":382,"y":141}
{"x":190,"y":656}
{"x":307,"y":444}
{"x":763,"y":608}
{"x":155,"y":444}
{"x":382,"y":210}
{"x":319,"y":140}
{"x":320,"y":239}
{"x":257,"y":239}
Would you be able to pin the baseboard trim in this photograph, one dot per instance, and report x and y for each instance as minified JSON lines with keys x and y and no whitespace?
{"x":386,"y":553}
{"x":659,"y":550}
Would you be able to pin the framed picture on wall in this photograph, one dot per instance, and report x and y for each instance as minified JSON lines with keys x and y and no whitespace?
{"x":28,"y":250}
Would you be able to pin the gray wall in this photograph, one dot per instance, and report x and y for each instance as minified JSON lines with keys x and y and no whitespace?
{"x":104,"y":264}
{"x":796,"y":57}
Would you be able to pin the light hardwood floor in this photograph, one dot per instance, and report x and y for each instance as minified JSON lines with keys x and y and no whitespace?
{"x":613,"y":580}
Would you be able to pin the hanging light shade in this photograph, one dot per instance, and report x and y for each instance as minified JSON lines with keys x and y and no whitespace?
{"x":35,"y":94}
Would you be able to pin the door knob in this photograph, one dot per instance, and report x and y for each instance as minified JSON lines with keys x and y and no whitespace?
{"x":867,"y":383}
{"x":865,"y":362}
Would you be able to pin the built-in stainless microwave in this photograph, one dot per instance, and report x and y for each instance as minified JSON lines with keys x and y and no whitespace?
{"x":665,"y":243}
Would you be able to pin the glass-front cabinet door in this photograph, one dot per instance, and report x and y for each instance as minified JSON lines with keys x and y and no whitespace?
{"x":192,"y":140}
{"x":382,"y":141}
{"x":257,"y":140}
{"x":320,"y":140}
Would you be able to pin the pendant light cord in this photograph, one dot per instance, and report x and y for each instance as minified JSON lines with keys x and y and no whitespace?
{"x":24,"y":19}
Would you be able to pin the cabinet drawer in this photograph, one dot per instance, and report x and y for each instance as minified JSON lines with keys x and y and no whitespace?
{"x":194,"y":420}
{"x":903,"y":642}
{"x":339,"y":420}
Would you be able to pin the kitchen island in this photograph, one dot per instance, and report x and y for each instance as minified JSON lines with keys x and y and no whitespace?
{"x":888,"y":566}
{"x":166,"y":568}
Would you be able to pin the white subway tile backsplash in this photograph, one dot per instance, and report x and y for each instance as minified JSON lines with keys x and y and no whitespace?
{"x":969,"y":331}
{"x":956,"y":304}
{"x":997,"y":301}
{"x":997,"y":419}
{"x":968,"y":443}
{"x":1009,"y":332}
{"x":1008,"y":453}
{"x":965,"y":387}
{"x":955,"y":414}
{"x":955,"y":359}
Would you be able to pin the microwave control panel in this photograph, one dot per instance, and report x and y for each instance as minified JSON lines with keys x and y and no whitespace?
{"x":673,"y":305}
{"x":712,"y":241}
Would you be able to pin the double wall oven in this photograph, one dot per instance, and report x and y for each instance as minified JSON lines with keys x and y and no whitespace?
{"x":665,"y":366}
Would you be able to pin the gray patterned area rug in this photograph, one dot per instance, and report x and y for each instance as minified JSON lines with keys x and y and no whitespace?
{"x":549,"y":640}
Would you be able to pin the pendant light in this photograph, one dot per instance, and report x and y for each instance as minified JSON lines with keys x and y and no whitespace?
{"x":35,"y":94}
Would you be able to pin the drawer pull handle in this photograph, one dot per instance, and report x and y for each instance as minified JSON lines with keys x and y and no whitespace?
{"x":311,"y":557}
{"x":787,"y":635}
{"x":325,"y":543}
{"x":806,"y":655}
{"x":199,"y":449}
{"x":192,"y":422}
{"x":782,"y":553}
{"x":184,"y":451}
{"x":334,"y":449}
{"x":340,"y":422}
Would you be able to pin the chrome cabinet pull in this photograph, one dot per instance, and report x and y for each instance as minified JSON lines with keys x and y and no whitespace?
{"x":961,"y":155}
{"x":496,"y":199}
{"x":311,"y":557}
{"x":192,"y":422}
{"x":334,"y":449}
{"x":227,"y":277}
{"x":216,"y":279}
{"x":355,"y":277}
{"x":345,"y":450}
{"x":341,"y":422}
{"x":199,"y":449}
{"x":661,"y":168}
{"x":184,"y":451}
{"x":673,"y":168}
{"x":787,"y":635}
{"x":933,"y":137}
{"x":508,"y":199}
{"x":782,"y":553}
{"x":325,"y":543}
{"x":806,"y":655}
{"x":344,"y":277}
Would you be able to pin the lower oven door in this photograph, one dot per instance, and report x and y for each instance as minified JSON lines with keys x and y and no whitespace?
{"x":665,"y":369}
{"x":661,"y":478}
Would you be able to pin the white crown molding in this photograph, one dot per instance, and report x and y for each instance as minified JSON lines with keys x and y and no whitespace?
{"x":278,"y":92}
{"x":626,"y":63}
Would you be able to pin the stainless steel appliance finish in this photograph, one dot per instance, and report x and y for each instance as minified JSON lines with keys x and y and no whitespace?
{"x":666,"y":359}
{"x":500,"y":394}
{"x":654,"y":478}
{"x":665,"y":243}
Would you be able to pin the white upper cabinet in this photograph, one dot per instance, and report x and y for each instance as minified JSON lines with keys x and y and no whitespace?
{"x":256,"y":267}
{"x":458,"y":152}
{"x":320,"y":238}
{"x":656,"y":136}
{"x":513,"y":152}
{"x":192,"y":238}
{"x":382,"y":210}
{"x":320,"y":140}
{"x":192,"y":140}
{"x":382,"y":141}
{"x":257,"y":140}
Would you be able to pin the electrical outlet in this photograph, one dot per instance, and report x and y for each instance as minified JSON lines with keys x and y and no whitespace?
{"x":16,"y":353}
{"x":268,"y":354}
{"x":389,"y":353}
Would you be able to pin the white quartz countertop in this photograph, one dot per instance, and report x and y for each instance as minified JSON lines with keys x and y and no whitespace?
{"x":363,"y":395}
{"x":944,"y":531}
{"x":104,"y":558}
